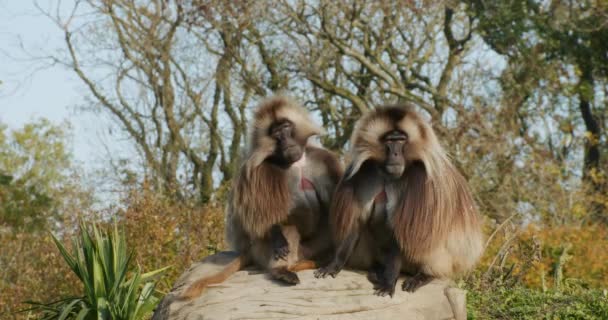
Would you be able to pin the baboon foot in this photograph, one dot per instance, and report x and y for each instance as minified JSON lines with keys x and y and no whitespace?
{"x":412,"y":284}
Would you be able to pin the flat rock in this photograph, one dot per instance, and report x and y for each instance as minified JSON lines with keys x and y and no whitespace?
{"x":250,"y":294}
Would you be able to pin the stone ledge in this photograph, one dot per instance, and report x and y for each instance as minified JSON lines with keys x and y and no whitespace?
{"x":250,"y":294}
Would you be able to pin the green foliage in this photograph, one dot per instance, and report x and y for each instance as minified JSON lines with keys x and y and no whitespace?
{"x":159,"y":233}
{"x":502,"y":24}
{"x":36,"y":153}
{"x":24,"y":206}
{"x":35,"y":168}
{"x":542,"y":273}
{"x":524,"y":303}
{"x":542,"y":257}
{"x":101,"y":261}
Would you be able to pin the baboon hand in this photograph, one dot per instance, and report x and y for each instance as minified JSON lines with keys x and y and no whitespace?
{"x":331,"y":270}
{"x":280,"y":245}
{"x":414,"y":283}
{"x":281,"y":252}
{"x":384,"y":288}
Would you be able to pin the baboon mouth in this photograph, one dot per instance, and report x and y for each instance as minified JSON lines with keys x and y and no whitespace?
{"x":292,"y":154}
{"x":395,"y":170}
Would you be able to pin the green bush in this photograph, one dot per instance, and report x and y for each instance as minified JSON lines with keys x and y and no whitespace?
{"x":111,"y":289}
{"x":525,"y":303}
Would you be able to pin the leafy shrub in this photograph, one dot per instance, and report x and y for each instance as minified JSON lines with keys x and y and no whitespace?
{"x":158,"y":231}
{"x":162,"y":232}
{"x":535,"y":256}
{"x":31,"y":269}
{"x":587,"y":253}
{"x":525,"y":303}
{"x":554,"y":272}
{"x":101,"y":261}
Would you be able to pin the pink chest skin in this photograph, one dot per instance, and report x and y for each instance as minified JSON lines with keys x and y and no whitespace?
{"x":306,"y":184}
{"x":381,"y":197}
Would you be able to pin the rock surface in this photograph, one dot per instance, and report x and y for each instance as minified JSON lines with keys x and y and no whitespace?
{"x":250,"y":294}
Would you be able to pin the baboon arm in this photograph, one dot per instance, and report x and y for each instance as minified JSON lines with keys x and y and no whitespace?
{"x":392,"y":262}
{"x":327,"y":171}
{"x":352,"y":198}
{"x":345,"y":249}
{"x":392,"y":267}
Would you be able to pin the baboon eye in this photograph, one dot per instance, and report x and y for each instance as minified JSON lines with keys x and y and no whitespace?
{"x":281,"y":130}
{"x":395,"y":136}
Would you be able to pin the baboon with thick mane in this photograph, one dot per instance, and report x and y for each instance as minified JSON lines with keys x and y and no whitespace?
{"x":278,"y":209}
{"x":402,"y":205}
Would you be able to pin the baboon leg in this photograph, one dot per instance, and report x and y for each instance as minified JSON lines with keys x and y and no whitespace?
{"x":374,"y":275}
{"x":390,"y":274}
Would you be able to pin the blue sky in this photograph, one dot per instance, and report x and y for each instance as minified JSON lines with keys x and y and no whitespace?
{"x":29,"y":89}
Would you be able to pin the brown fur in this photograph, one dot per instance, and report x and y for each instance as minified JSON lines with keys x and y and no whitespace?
{"x":330,"y":159}
{"x":430,"y":209}
{"x":346,"y":202}
{"x":435,"y":221}
{"x":262,"y":199}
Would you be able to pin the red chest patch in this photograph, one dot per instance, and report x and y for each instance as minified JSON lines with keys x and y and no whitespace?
{"x":380,"y":197}
{"x":306,"y":184}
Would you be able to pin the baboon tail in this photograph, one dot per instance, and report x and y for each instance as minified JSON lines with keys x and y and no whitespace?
{"x":197,"y":288}
{"x":303,"y":265}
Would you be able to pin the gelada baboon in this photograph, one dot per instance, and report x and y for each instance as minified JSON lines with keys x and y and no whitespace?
{"x":278,"y":209}
{"x":403,"y":205}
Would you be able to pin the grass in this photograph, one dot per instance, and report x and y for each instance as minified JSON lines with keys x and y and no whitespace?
{"x":576,"y":302}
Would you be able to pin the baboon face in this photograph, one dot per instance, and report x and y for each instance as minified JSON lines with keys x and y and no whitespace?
{"x":287,"y":150}
{"x":394,"y":143}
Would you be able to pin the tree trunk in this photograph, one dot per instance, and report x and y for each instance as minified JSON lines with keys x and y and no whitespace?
{"x":592,"y":145}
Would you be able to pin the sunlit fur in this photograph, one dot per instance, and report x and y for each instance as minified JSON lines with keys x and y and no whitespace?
{"x":261,"y":193}
{"x":435,"y":221}
{"x":261,"y":197}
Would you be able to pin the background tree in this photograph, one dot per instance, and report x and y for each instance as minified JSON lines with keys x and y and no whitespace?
{"x":36,"y":171}
{"x":40,"y":191}
{"x":187,"y":115}
{"x":557,"y":53}
{"x":172,"y":84}
{"x":179,"y":78}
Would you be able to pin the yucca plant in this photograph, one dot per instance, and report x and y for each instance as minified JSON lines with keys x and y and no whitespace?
{"x":111,"y":290}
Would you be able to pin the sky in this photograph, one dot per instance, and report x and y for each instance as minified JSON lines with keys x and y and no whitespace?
{"x":31,"y":89}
